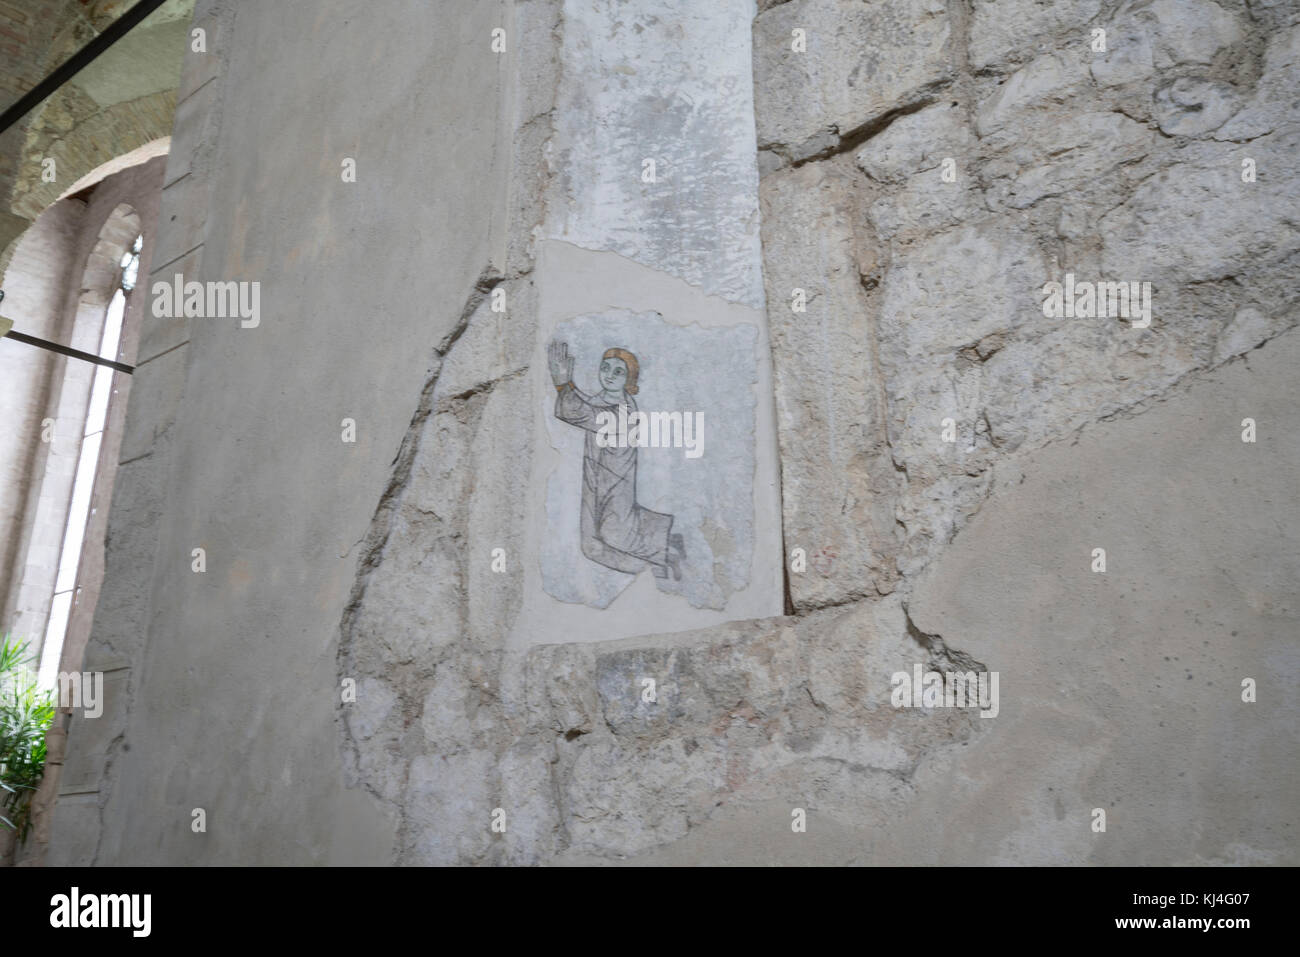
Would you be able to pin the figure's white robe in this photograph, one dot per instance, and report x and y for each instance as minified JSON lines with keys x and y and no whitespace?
{"x":616,"y":531}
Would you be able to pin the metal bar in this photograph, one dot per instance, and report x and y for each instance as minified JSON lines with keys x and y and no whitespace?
{"x":78,"y":61}
{"x":69,"y":351}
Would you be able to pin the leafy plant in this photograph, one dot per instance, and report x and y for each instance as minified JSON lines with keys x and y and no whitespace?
{"x":26,"y":713}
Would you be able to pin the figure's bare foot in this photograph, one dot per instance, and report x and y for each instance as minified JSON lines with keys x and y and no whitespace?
{"x":676,"y":552}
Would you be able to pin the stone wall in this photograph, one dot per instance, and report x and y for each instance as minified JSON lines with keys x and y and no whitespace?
{"x":929,"y":167}
{"x":1064,"y":162}
{"x":354,"y":680}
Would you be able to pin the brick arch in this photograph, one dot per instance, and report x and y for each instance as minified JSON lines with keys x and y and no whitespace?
{"x":71,"y":127}
{"x":89,"y":145}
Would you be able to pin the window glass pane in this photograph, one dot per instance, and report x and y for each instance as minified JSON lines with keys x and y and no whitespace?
{"x":77,"y":514}
{"x":103,"y":387}
{"x":87,"y":465}
{"x":131,"y":265}
{"x":113,"y":326}
{"x":99,"y":393}
{"x":52,"y":650}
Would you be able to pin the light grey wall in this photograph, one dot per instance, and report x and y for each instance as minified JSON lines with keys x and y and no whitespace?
{"x":228,"y":701}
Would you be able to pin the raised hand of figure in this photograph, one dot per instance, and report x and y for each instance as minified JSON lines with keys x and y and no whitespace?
{"x":560,"y":362}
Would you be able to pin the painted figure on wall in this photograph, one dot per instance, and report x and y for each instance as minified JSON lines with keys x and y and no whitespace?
{"x":615,"y":531}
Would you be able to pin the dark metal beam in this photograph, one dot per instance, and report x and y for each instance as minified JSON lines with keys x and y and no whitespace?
{"x":69,"y":351}
{"x":78,"y":61}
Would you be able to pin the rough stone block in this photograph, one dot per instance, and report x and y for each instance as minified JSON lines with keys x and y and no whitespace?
{"x":1154,"y":35}
{"x":1006,"y":31}
{"x":862,"y":61}
{"x":502,"y":445}
{"x":1069,"y":156}
{"x":450,"y":798}
{"x":1190,"y":106}
{"x":917,"y":142}
{"x":1197,"y":220}
{"x":837,"y":478}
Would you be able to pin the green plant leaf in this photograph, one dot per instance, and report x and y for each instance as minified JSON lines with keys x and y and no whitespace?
{"x":26,"y":714}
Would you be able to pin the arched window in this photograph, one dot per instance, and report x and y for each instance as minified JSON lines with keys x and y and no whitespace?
{"x":69,"y":283}
{"x":88,"y":459}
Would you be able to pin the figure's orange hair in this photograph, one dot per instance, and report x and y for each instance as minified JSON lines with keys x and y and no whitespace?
{"x":633,"y":367}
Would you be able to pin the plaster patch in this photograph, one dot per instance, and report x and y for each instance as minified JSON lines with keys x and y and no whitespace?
{"x":634,"y":496}
{"x":668,"y":81}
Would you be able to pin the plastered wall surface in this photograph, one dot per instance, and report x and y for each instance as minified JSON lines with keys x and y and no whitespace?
{"x":256,"y":173}
{"x":944,"y":456}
